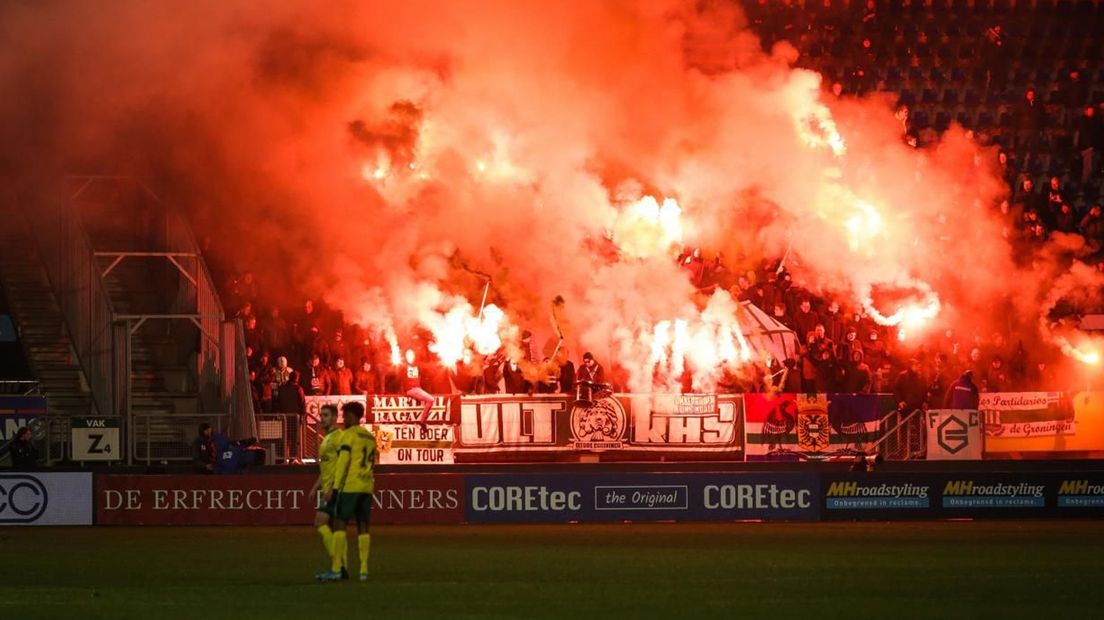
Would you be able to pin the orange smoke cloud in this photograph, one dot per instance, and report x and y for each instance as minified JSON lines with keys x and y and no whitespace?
{"x":364,"y":151}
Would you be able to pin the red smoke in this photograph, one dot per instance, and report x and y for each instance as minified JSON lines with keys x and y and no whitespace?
{"x":391,"y":156}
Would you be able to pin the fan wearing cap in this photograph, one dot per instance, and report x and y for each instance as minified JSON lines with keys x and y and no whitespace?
{"x":962,"y":394}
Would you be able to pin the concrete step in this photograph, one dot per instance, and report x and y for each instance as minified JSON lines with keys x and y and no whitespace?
{"x":41,"y":330}
{"x":41,"y":307}
{"x":45,"y":350}
{"x":51,"y":356}
{"x":77,"y":404}
{"x":57,"y":372}
{"x":67,"y":383}
{"x":40,"y":319}
{"x":64,"y":365}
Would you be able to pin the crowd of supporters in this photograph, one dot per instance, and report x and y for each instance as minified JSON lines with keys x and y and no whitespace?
{"x":315,"y":352}
{"x":842,"y":349}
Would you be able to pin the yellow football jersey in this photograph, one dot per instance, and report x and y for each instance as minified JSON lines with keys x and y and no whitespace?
{"x":356,"y":455}
{"x":327,"y":457}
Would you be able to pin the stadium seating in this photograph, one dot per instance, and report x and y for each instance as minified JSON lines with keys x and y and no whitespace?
{"x":930,"y":54}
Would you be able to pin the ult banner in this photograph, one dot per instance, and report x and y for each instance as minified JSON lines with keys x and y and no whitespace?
{"x":612,"y":426}
{"x":559,"y":498}
{"x":498,"y":423}
{"x":954,"y":435}
{"x":795,"y":426}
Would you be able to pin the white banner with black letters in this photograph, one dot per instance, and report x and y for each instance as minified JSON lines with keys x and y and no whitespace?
{"x":954,"y":435}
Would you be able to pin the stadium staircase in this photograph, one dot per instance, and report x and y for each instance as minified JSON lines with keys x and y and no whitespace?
{"x":162,"y":352}
{"x":185,"y":363}
{"x":46,"y":342}
{"x":119,"y":317}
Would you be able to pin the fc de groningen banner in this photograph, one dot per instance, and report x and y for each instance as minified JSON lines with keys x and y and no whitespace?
{"x":796,"y":426}
{"x":1043,"y":422}
{"x":1027,"y":414}
{"x":556,"y":427}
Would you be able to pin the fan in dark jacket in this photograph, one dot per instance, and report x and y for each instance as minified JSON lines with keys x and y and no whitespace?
{"x":24,"y":454}
{"x":962,"y":394}
{"x":910,"y":390}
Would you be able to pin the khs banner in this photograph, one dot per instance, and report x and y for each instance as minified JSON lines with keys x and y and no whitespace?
{"x":265,"y":500}
{"x":687,"y":422}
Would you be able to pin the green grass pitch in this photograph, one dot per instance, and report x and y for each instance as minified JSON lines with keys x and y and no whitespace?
{"x":1021,"y":569}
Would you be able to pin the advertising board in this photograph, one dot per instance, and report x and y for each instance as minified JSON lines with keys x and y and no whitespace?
{"x":520,"y":498}
{"x":45,"y":498}
{"x":265,"y":499}
{"x":966,"y":494}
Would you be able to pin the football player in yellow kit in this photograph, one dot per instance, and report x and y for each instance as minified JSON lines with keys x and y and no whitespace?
{"x":327,"y":461}
{"x":354,"y":482}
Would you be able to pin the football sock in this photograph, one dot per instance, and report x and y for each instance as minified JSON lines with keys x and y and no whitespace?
{"x":327,"y":539}
{"x":363,"y":543}
{"x":339,"y":543}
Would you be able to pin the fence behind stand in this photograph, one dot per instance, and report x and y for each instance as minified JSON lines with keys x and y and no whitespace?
{"x":902,"y":436}
{"x":282,"y":436}
{"x":155,"y":438}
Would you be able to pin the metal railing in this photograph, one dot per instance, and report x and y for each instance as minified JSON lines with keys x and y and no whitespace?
{"x":19,"y":387}
{"x":222,"y":365}
{"x":57,"y":439}
{"x":164,"y":438}
{"x":235,"y":388}
{"x":903,"y":437}
{"x":81,"y":295}
{"x":282,"y":435}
